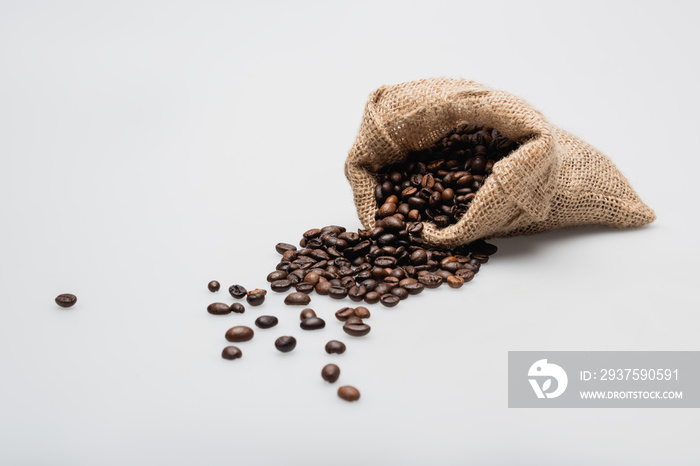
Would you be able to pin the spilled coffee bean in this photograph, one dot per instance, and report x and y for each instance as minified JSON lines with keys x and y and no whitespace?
{"x":349,"y":393}
{"x":66,"y":300}
{"x":219,"y":309}
{"x":286,"y":344}
{"x":297,"y":299}
{"x":266,"y":321}
{"x":330,"y":373}
{"x":237,"y":291}
{"x":312,"y":323}
{"x":214,"y":286}
{"x":335,"y":347}
{"x":256,"y":297}
{"x":231,"y":352}
{"x":239,"y":333}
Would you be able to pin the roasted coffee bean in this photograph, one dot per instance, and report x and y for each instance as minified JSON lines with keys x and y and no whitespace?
{"x":482,"y":258}
{"x":280,"y":286}
{"x":455,"y":281}
{"x":214,"y":286}
{"x":444,"y":274}
{"x":337,"y":292}
{"x":362,"y":312}
{"x":66,"y":300}
{"x":372,"y":297}
{"x":304,"y":287}
{"x":276,"y":275}
{"x":284,"y":247}
{"x":312,"y":323}
{"x":297,"y":299}
{"x":219,"y":309}
{"x":238,"y":308}
{"x":357,"y":329}
{"x":335,"y":347}
{"x":349,"y":393}
{"x":419,"y":257}
{"x":239,"y":333}
{"x":266,"y":321}
{"x":389,"y":300}
{"x":344,"y":313}
{"x":402,"y":293}
{"x":465,"y":274}
{"x":312,"y":278}
{"x":330,"y":373}
{"x":430,"y":281}
{"x":231,"y":352}
{"x":286,"y":344}
{"x":237,"y":291}
{"x":353,"y":319}
{"x":385,"y":261}
{"x":306,"y":313}
{"x":323,"y":287}
{"x":256,"y":297}
{"x":356,"y":293}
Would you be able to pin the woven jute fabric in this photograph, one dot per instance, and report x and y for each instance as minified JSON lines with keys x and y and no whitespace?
{"x":552,"y":180}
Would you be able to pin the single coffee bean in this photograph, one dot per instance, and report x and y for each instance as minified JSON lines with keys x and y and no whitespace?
{"x":312,"y":323}
{"x":66,"y":300}
{"x":286,"y":344}
{"x":304,"y":287}
{"x":349,"y":393}
{"x":214,"y":286}
{"x":337,"y":292}
{"x":219,"y":309}
{"x":430,"y":281}
{"x":358,"y":329}
{"x":362,"y":312}
{"x":297,"y":299}
{"x":344,"y":313}
{"x":238,"y":308}
{"x":353,"y":319}
{"x":372,"y":297}
{"x":402,"y":293}
{"x":330,"y":373}
{"x":356,"y":293}
{"x":455,"y":281}
{"x":256,"y":297}
{"x":239,"y":333}
{"x":306,"y":313}
{"x":266,"y":321}
{"x":335,"y":347}
{"x":414,"y":288}
{"x":482,"y":258}
{"x":389,"y":300}
{"x":276,"y":275}
{"x":237,"y":291}
{"x":284,"y":247}
{"x":323,"y":287}
{"x":280,"y":286}
{"x":465,"y":274}
{"x":231,"y":352}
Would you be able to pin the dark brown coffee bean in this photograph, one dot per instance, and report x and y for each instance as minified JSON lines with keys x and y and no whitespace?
{"x":349,"y":393}
{"x":385,"y":261}
{"x":238,"y":308}
{"x":66,"y":300}
{"x":393,"y":223}
{"x":344,"y":313}
{"x":353,"y":320}
{"x":214,"y":286}
{"x":312,"y":233}
{"x":304,"y":287}
{"x":414,"y":288}
{"x":280,"y":286}
{"x":323,"y":287}
{"x":306,"y":313}
{"x":389,"y":300}
{"x":482,"y":258}
{"x":387,"y":209}
{"x":266,"y":321}
{"x":239,"y":333}
{"x":362,"y":312}
{"x":372,"y":297}
{"x":237,"y":291}
{"x":231,"y":352}
{"x":256,"y":297}
{"x":356,"y":293}
{"x":337,"y":292}
{"x":297,"y":299}
{"x":330,"y":373}
{"x":358,"y":329}
{"x":335,"y":347}
{"x":430,"y":281}
{"x":419,"y":257}
{"x":312,"y":278}
{"x":276,"y":275}
{"x":465,"y":274}
{"x":286,"y":344}
{"x":312,"y":323}
{"x":402,"y":293}
{"x":219,"y":309}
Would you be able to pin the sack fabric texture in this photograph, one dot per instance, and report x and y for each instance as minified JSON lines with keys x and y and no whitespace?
{"x":552,"y":180}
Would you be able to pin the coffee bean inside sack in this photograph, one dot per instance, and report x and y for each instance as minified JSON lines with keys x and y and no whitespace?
{"x":439,"y":183}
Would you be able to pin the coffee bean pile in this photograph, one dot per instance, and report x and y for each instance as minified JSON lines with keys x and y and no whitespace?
{"x":439,"y":183}
{"x":385,"y":265}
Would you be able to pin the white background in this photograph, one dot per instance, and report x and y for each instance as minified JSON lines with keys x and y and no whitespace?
{"x":149,"y":147}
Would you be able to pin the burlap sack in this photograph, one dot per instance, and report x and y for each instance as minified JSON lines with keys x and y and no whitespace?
{"x":553,"y":180}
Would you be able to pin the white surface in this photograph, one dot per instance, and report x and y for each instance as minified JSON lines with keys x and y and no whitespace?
{"x":149,"y":147}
